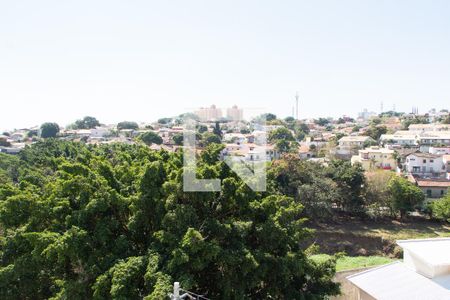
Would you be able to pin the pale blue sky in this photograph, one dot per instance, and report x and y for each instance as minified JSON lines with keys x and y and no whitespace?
{"x":140,"y":60}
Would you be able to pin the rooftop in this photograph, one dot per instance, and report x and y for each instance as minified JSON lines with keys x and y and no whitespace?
{"x":433,"y":183}
{"x":423,"y":274}
{"x":397,"y":281}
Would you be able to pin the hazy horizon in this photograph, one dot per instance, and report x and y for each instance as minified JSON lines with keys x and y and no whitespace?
{"x":143,"y":60}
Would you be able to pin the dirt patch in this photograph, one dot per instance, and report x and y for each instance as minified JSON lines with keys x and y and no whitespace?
{"x":366,"y":238}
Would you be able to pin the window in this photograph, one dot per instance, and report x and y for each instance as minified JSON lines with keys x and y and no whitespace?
{"x":429,"y":193}
{"x":431,"y":160}
{"x":424,"y":161}
{"x":442,"y":192}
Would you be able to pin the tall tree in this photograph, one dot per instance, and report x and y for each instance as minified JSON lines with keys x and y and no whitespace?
{"x":405,"y":196}
{"x":150,"y":137}
{"x":49,"y":130}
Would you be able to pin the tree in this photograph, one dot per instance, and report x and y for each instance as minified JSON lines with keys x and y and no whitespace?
{"x":127,"y":125}
{"x":415,"y":120}
{"x":283,"y":139}
{"x":446,"y":120}
{"x":375,"y":132}
{"x":281,"y":133}
{"x":201,"y":128}
{"x":164,"y":121}
{"x":217,"y":131}
{"x":289,"y":119}
{"x":210,"y":138}
{"x":4,"y":142}
{"x":321,"y":121}
{"x":86,"y":123}
{"x":150,"y":137}
{"x":49,"y":130}
{"x":405,"y":196}
{"x":113,"y":222}
{"x":377,"y":193}
{"x":267,"y":117}
{"x":441,"y":208}
{"x":178,"y":139}
{"x":350,"y":181}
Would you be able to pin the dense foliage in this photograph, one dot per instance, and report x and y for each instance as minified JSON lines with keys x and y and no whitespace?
{"x":441,"y":208}
{"x":150,"y":137}
{"x":127,"y":125}
{"x":85,"y":123}
{"x":112,"y":222}
{"x":49,"y":130}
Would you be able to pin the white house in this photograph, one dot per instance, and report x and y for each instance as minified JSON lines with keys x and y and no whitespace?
{"x":399,"y":139}
{"x":423,"y":274}
{"x":356,"y":141}
{"x":430,"y":139}
{"x":439,"y":150}
{"x":349,"y":145}
{"x":424,"y":164}
{"x":428,"y":127}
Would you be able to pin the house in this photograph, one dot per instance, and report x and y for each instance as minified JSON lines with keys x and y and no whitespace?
{"x":424,"y":273}
{"x":348,"y":145}
{"x":351,"y":141}
{"x":234,"y":138}
{"x":429,"y":139}
{"x":439,"y":150}
{"x":399,"y":138}
{"x":251,"y":152}
{"x":424,"y":164}
{"x":18,"y":136}
{"x":428,"y":127}
{"x":375,"y":157}
{"x":304,"y":152}
{"x":433,"y":188}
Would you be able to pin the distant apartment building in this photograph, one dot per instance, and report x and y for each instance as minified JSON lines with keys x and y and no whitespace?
{"x":207,"y":114}
{"x":375,"y":158}
{"x":366,"y":115}
{"x":235,"y":114}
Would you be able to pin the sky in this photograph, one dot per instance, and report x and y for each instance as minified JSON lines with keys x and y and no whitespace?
{"x":142,"y":60}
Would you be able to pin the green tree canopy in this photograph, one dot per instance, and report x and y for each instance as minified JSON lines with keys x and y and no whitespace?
{"x":113,"y":222}
{"x":405,"y":196}
{"x":150,"y":137}
{"x":127,"y":125}
{"x":49,"y":130}
{"x":86,"y":123}
{"x":441,"y":208}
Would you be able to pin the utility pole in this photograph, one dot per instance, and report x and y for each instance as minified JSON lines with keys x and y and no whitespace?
{"x":296,"y":106}
{"x":176,"y":291}
{"x":186,"y":295}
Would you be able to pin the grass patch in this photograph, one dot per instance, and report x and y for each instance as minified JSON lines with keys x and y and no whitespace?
{"x":353,"y":262}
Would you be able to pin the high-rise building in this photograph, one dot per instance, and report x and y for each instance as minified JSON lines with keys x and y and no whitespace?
{"x":206,"y":114}
{"x":234,"y":113}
